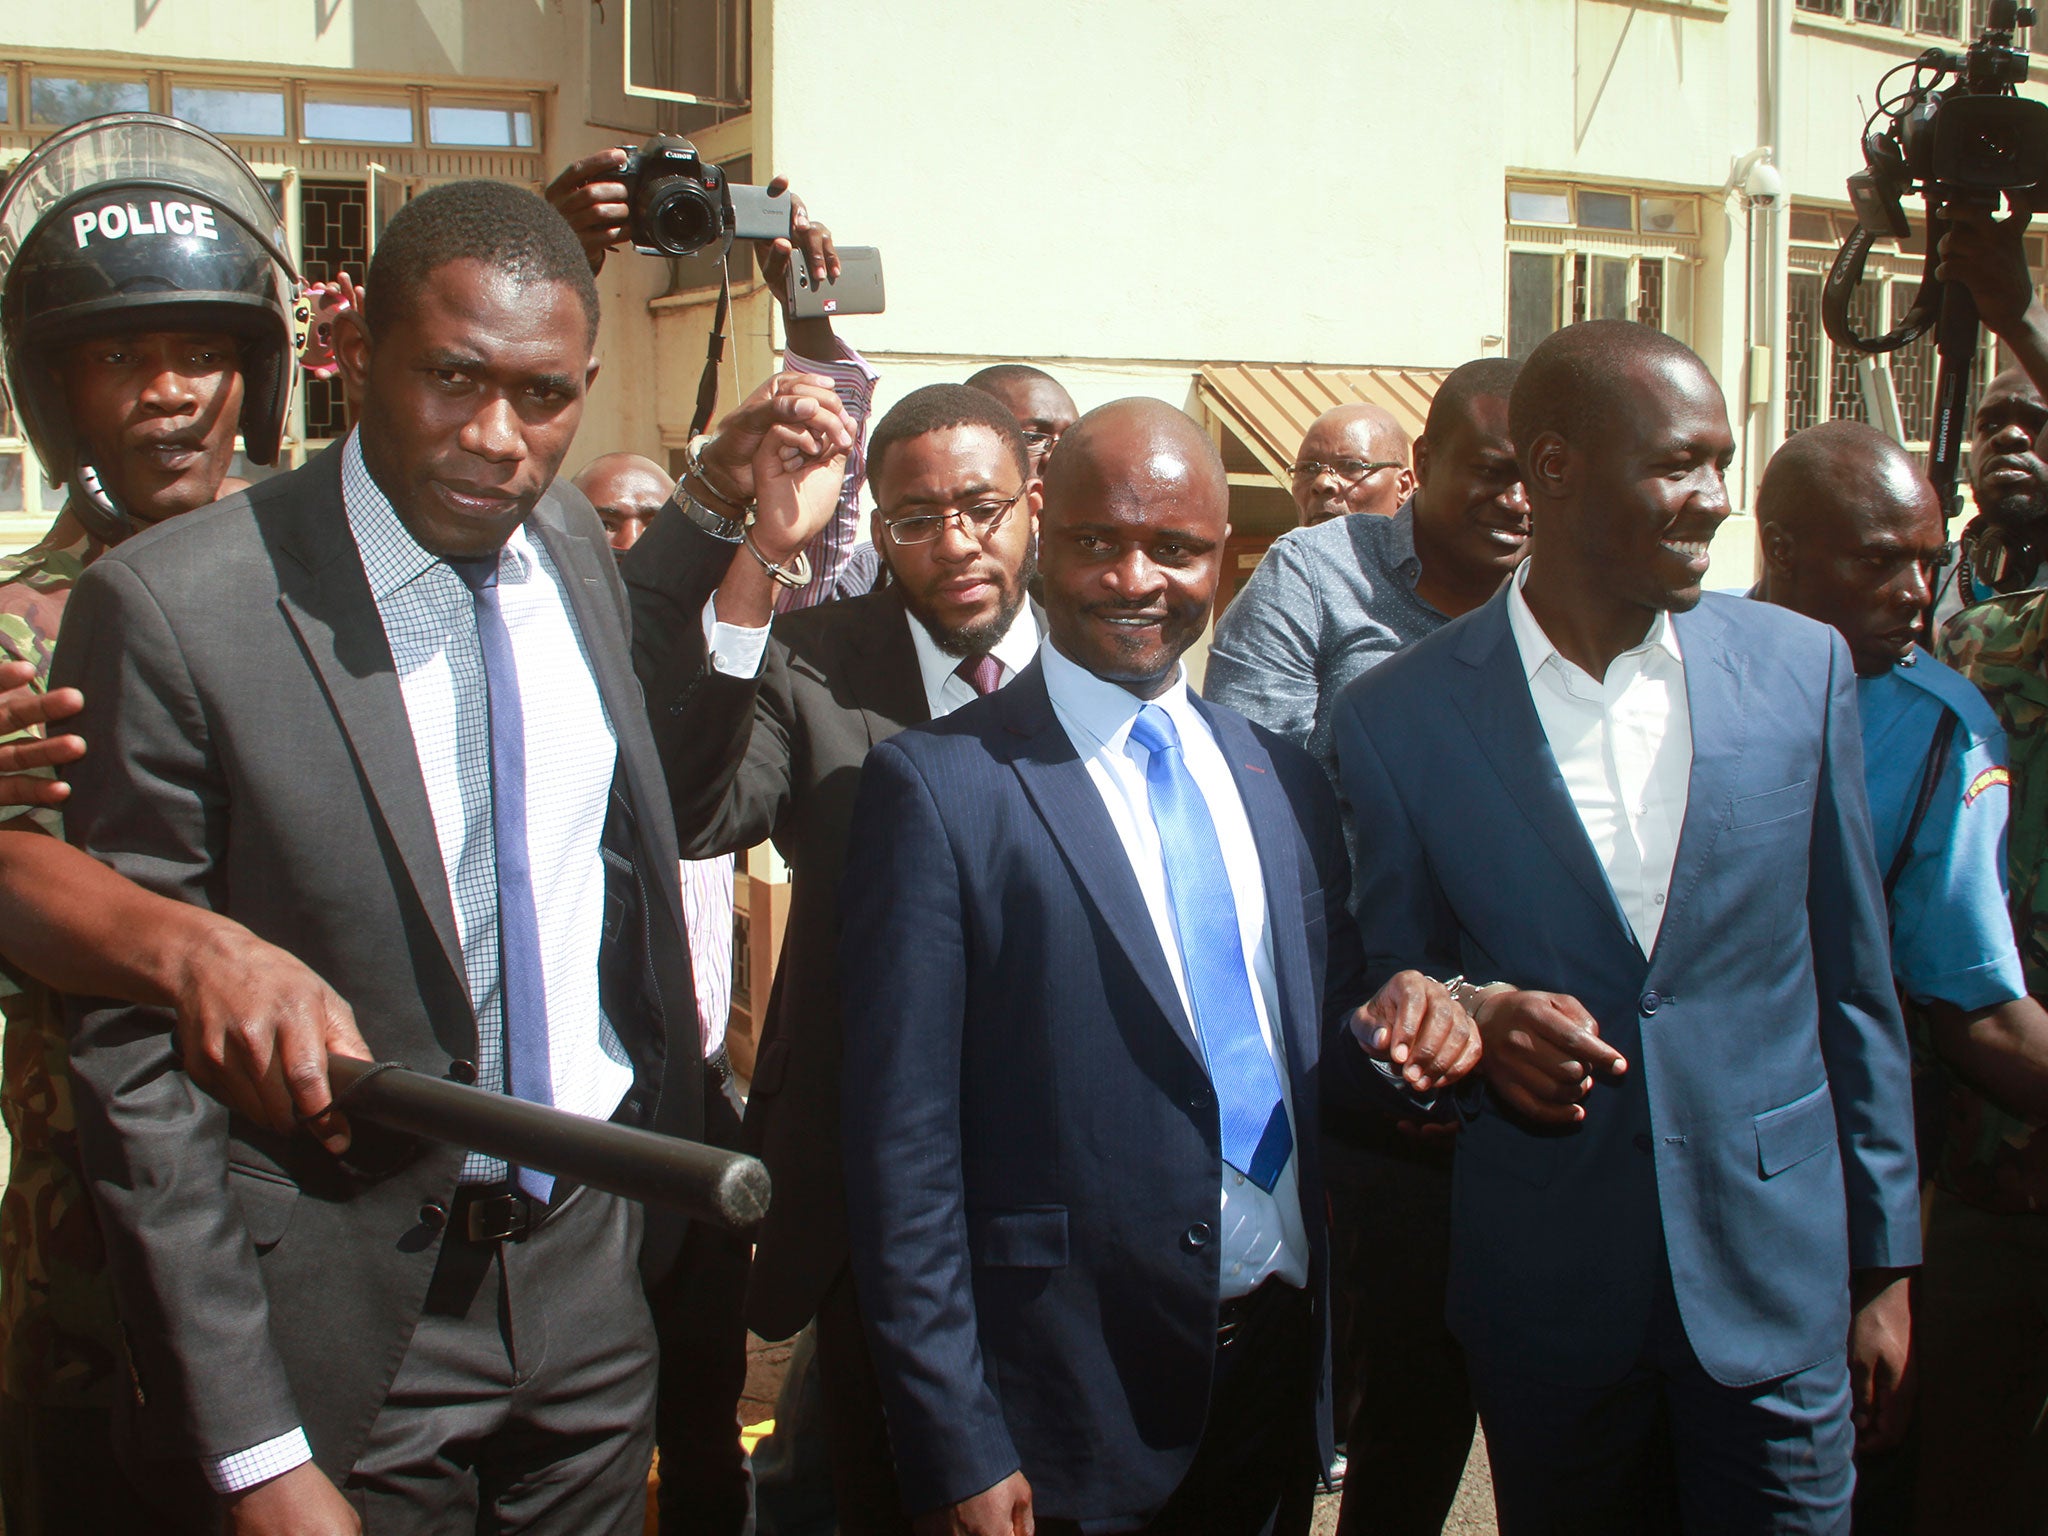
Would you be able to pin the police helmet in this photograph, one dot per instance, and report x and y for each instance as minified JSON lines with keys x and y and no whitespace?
{"x":136,"y":222}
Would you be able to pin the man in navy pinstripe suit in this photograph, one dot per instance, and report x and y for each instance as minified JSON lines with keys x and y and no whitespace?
{"x":1098,"y":972}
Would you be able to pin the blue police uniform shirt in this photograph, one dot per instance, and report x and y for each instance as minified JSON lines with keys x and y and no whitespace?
{"x":1952,"y":936}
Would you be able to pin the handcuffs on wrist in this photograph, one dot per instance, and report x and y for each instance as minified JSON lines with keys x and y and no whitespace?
{"x":1472,"y":995}
{"x":702,"y":503}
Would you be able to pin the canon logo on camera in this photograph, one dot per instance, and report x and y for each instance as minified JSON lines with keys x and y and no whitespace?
{"x":117,"y":221}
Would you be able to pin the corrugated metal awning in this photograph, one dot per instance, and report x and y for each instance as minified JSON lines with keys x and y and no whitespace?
{"x":1270,"y":406}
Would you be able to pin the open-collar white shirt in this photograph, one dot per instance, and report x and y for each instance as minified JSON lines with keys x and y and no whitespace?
{"x":1624,"y":746}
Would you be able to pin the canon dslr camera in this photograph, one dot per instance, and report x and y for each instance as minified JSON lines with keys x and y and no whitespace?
{"x":680,"y":203}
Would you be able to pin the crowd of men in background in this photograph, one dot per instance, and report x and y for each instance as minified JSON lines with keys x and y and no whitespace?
{"x":1653,"y":942}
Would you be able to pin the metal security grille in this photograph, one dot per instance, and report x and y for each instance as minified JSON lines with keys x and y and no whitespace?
{"x":1803,"y":347}
{"x":1939,"y":17}
{"x":334,"y":230}
{"x":1650,"y":294}
{"x":1845,"y":389}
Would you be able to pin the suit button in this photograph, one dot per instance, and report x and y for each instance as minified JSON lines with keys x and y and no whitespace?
{"x":461,"y":1071}
{"x":1649,"y":1002}
{"x":1197,"y":1236}
{"x":433,"y":1215}
{"x":1642,"y":1142}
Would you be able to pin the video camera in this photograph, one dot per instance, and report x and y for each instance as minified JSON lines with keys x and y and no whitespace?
{"x":679,"y":203}
{"x":1959,"y":134}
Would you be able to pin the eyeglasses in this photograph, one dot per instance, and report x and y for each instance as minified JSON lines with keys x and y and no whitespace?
{"x":1039,"y":442}
{"x":977,"y":521}
{"x":1350,"y":471}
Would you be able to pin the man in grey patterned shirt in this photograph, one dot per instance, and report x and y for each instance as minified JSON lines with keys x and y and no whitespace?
{"x":1328,"y":603}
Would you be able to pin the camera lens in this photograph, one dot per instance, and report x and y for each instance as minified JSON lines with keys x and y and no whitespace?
{"x":678,"y":215}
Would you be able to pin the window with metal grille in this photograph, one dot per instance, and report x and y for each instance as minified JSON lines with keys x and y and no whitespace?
{"x":1822,"y":382}
{"x":1597,"y":253}
{"x":334,"y":237}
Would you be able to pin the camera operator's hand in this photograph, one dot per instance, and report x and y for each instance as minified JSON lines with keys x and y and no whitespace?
{"x":805,"y":400}
{"x":590,"y":195}
{"x":1988,"y":256}
{"x":772,"y":256}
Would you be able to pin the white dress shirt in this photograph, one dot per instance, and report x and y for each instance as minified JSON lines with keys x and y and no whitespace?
{"x":737,"y":651}
{"x":1624,"y":746}
{"x":429,"y":619}
{"x":1263,"y":1234}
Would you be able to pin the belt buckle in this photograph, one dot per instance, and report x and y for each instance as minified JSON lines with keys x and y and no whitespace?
{"x":505,"y":1218}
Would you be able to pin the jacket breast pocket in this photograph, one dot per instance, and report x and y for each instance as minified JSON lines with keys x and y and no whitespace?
{"x":266,"y":1200}
{"x":1771,"y":805}
{"x":1033,"y":1238}
{"x":1794,"y":1132}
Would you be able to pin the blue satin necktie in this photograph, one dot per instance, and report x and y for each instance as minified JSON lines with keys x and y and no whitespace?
{"x":522,"y":988}
{"x":1256,"y":1138}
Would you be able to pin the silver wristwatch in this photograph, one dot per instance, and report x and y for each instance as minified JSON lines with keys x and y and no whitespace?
{"x":717,"y":524}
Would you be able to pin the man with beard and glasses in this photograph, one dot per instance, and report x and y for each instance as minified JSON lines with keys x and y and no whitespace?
{"x":1632,"y":818}
{"x":1354,"y":458}
{"x":763,"y":730}
{"x":1326,"y":605}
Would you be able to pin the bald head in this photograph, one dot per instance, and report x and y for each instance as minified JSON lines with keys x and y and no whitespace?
{"x":1039,"y":401}
{"x":1841,"y":472}
{"x":1131,"y":540}
{"x":1354,"y":458}
{"x":627,"y":491}
{"x":1850,"y":529}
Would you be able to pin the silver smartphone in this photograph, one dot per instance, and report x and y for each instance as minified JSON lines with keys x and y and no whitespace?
{"x":856,"y":291}
{"x":756,"y":215}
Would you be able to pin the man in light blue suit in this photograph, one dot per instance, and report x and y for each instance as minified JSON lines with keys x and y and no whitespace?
{"x":1632,"y":821}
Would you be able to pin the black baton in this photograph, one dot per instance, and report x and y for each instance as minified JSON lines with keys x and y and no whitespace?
{"x":704,"y":1183}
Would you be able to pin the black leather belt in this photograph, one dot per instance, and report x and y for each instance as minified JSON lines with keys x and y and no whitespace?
{"x":1233,"y":1314}
{"x":496,"y":1213}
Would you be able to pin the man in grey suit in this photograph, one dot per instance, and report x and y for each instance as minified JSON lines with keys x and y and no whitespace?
{"x":382,"y":711}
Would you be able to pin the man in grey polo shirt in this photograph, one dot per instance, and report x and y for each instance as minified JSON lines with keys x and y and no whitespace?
{"x":1328,"y":603}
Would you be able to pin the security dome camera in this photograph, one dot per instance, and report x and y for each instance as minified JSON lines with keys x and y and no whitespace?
{"x":1764,"y":185}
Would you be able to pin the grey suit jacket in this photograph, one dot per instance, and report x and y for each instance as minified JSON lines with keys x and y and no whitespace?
{"x":778,"y":757}
{"x":251,"y":754}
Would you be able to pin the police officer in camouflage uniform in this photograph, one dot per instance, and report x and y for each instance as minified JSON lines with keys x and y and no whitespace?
{"x":1984,"y":1292}
{"x":147,"y":316}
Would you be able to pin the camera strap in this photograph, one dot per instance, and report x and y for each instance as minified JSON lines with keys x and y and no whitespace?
{"x":714,"y":352}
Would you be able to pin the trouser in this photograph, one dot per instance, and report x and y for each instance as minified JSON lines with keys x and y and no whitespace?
{"x":525,"y":1401}
{"x":863,"y":1466}
{"x":59,"y":1476}
{"x":700,"y":1324}
{"x":1407,"y":1416}
{"x":1254,"y":1469}
{"x":1667,"y":1448}
{"x":1981,"y":1325}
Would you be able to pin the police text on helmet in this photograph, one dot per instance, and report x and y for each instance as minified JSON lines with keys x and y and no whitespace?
{"x":118,"y":220}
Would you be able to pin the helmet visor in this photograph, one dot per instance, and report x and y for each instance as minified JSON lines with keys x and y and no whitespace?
{"x":136,"y":150}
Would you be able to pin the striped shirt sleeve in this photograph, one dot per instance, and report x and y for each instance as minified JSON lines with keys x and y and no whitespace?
{"x":854,"y":381}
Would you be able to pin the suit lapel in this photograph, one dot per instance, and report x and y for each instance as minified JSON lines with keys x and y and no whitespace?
{"x":1266,"y":806}
{"x":1057,"y":782}
{"x":885,"y":679}
{"x":1713,"y":700}
{"x":326,"y":599}
{"x":1494,"y":699}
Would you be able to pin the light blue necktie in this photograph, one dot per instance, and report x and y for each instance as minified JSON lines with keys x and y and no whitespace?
{"x":528,"y":1072}
{"x":1256,"y":1139}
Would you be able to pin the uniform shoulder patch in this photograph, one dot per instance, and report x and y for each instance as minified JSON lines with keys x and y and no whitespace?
{"x":1988,"y":779}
